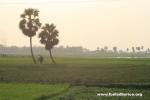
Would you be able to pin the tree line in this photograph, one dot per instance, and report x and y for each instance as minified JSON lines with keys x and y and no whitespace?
{"x":133,"y":49}
{"x":72,"y":51}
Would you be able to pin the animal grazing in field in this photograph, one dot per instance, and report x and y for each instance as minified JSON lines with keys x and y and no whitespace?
{"x":40,"y":59}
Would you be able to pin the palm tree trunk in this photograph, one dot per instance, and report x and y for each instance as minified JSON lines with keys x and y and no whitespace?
{"x":50,"y":53}
{"x":32,"y":51}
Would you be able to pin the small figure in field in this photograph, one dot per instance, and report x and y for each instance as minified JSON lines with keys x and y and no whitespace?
{"x":40,"y":59}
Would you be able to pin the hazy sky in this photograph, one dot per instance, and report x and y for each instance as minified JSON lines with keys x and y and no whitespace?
{"x":87,"y":23}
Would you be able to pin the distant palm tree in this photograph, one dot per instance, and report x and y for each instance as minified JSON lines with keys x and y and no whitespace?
{"x":138,"y":49}
{"x":133,"y":49}
{"x":29,"y":25}
{"x":97,"y":49}
{"x":106,"y":48}
{"x":142,"y":47}
{"x":127,"y":49}
{"x":148,"y":50}
{"x":115,"y":49}
{"x":48,"y":37}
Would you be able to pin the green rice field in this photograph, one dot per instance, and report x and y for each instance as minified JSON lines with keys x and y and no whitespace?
{"x":73,"y":78}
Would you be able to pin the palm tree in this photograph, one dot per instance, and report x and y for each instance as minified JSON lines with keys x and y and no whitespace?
{"x":115,"y":49}
{"x":133,"y":49}
{"x":106,"y":48}
{"x":142,"y":47}
{"x":148,"y":50}
{"x":138,"y":49}
{"x":127,"y":49}
{"x":29,"y":25}
{"x":97,"y":49}
{"x":48,"y":37}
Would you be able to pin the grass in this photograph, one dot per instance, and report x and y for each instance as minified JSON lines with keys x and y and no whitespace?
{"x":90,"y":93}
{"x":74,"y":60}
{"x":77,"y":71}
{"x":30,"y":91}
{"x":87,"y":76}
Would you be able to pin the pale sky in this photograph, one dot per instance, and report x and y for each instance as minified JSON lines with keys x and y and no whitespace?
{"x":87,"y":23}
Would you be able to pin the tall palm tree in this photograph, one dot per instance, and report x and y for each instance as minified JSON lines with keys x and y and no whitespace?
{"x":29,"y":25}
{"x":48,"y":37}
{"x":115,"y":49}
